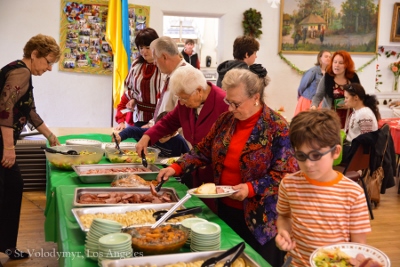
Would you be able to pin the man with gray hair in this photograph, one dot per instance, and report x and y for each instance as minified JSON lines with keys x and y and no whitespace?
{"x":167,"y":57}
{"x":201,"y":103}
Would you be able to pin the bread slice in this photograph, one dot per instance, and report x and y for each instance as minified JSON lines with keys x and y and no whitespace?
{"x":207,"y":188}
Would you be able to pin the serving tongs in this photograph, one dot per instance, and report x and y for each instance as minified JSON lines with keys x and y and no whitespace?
{"x":69,"y":152}
{"x":234,"y":253}
{"x":117,"y":144}
{"x":159,"y":185}
{"x":171,"y":210}
{"x":144,"y":161}
{"x":158,"y":214}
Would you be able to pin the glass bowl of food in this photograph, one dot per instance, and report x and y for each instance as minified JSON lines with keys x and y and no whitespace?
{"x":163,"y":239}
{"x":129,"y":155}
{"x":85,"y":155}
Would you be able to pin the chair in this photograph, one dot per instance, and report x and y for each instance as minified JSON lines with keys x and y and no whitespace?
{"x":359,"y":161}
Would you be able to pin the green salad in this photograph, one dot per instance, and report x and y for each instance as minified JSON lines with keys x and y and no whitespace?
{"x":332,"y":258}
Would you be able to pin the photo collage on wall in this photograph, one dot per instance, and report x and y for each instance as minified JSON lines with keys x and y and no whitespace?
{"x":82,"y":32}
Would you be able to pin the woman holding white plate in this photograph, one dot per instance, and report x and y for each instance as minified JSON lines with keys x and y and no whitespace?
{"x":249,"y":149}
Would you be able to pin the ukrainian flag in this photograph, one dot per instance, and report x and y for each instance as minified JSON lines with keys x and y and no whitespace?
{"x":117,"y":35}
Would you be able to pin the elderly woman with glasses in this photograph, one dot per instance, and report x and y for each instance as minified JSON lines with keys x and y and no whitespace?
{"x":249,"y":149}
{"x":200,"y":104}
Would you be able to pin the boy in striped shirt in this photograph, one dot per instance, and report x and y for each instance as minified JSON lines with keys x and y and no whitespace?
{"x":318,"y":206}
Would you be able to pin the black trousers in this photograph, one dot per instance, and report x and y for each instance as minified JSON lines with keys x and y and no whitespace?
{"x":235,"y":219}
{"x":11,"y":186}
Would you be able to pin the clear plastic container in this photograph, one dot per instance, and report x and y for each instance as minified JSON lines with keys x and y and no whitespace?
{"x":130,"y":156}
{"x":87,"y":155}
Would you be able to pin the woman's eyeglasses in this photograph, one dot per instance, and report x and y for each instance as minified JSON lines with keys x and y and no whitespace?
{"x":232,"y":104}
{"x":313,"y":155}
{"x":186,"y":99}
{"x":49,"y":62}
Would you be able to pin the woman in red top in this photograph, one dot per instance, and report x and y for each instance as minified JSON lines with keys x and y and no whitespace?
{"x":248,"y":148}
{"x":143,"y":83}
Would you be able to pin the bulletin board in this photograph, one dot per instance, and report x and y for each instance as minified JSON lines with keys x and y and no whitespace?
{"x":82,"y":35}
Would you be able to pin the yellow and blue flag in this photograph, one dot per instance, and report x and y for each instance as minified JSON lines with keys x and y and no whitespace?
{"x":117,"y":35}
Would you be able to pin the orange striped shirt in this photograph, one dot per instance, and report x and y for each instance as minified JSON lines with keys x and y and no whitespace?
{"x":322,"y":213}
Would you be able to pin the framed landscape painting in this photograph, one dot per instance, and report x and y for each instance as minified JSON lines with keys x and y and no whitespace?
{"x":395,"y":32}
{"x":308,"y":26}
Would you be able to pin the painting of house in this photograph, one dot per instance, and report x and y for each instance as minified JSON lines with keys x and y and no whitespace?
{"x":308,"y":26}
{"x":314,"y":24}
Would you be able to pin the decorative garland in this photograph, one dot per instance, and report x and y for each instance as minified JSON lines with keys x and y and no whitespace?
{"x":301,"y":72}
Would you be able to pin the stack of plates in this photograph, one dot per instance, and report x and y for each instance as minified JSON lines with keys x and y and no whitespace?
{"x":205,"y":236}
{"x":187,"y":224}
{"x":99,"y":228}
{"x":115,"y":246}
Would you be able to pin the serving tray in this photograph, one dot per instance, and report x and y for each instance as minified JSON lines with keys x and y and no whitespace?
{"x":162,"y":260}
{"x":130,"y":190}
{"x":108,"y":178}
{"x":118,"y":209}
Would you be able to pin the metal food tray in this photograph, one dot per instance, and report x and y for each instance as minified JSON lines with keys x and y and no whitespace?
{"x":162,"y":260}
{"x":138,"y":190}
{"x":117,"y":209}
{"x":108,"y":178}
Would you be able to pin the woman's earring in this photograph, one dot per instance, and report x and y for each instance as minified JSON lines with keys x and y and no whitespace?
{"x":256,"y":103}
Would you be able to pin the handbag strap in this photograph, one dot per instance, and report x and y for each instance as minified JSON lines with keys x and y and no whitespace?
{"x":386,"y":145}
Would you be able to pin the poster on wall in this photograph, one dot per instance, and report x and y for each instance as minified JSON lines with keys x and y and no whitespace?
{"x":82,"y":35}
{"x":308,"y":26}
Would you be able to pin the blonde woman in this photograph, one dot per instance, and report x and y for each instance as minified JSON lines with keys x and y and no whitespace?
{"x":309,"y":82}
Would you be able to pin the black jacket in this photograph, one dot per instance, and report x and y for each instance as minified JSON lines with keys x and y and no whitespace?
{"x":225,"y":66}
{"x":377,"y":141}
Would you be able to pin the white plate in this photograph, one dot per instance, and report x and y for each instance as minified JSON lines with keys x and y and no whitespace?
{"x":352,"y":249}
{"x":83,"y":142}
{"x":165,"y":161}
{"x":228,"y":190}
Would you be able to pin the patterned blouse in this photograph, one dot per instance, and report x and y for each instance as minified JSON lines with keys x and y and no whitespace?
{"x":266,"y":158}
{"x":17,"y":105}
{"x":144,"y":81}
{"x":360,"y":121}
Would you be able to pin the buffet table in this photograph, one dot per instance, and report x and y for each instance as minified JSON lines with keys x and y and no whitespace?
{"x":62,"y":228}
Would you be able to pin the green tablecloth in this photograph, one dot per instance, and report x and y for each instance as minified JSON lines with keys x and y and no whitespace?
{"x":62,"y":228}
{"x":57,"y":177}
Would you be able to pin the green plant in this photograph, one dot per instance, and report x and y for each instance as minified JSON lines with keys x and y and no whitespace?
{"x":252,"y":23}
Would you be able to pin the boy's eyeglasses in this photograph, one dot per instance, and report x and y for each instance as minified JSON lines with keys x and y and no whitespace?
{"x":313,"y":155}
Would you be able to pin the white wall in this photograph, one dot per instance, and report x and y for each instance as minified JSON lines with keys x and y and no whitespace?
{"x":84,"y":100}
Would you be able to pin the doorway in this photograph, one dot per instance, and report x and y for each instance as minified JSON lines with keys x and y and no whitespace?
{"x":204,"y":32}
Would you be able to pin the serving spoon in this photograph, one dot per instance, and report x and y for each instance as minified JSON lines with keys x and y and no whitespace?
{"x":69,"y":152}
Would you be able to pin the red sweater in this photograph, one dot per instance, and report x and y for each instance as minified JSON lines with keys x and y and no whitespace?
{"x":231,"y":173}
